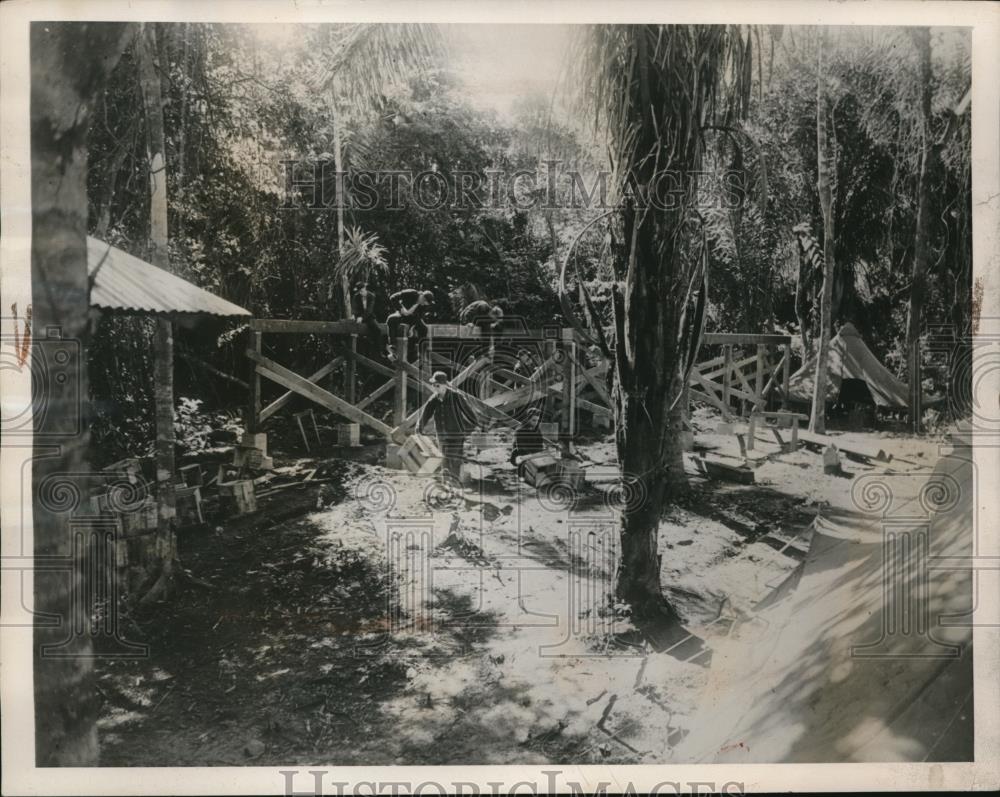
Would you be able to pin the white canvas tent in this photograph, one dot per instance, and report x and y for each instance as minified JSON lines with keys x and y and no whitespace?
{"x":850,"y":358}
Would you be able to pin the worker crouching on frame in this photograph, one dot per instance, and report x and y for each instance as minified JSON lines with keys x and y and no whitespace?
{"x":453,"y":419}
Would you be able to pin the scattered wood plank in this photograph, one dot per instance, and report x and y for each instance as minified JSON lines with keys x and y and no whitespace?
{"x":719,"y":470}
{"x":814,"y":442}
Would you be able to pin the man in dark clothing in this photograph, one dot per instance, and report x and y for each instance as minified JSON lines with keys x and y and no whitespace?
{"x":487,"y":318}
{"x":453,"y":419}
{"x":412,"y":308}
{"x":363,"y":309}
{"x":527,"y":439}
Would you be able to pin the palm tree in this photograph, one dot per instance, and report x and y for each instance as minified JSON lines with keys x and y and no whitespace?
{"x":824,"y":167}
{"x":357,"y":64}
{"x":69,"y":64}
{"x":655,"y":89}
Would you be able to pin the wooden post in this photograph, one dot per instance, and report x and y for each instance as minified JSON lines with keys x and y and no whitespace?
{"x":253,"y":421}
{"x":568,"y":420}
{"x":726,"y":379}
{"x":400,"y":412}
{"x":426,"y":357}
{"x":351,"y":373}
{"x":786,"y":369}
{"x":758,"y":388}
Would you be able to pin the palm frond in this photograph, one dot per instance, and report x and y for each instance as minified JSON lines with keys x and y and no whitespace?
{"x":362,"y":62}
{"x":361,"y":255}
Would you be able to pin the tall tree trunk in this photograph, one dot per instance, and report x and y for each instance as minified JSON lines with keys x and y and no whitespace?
{"x":163,"y":334}
{"x":341,"y":184}
{"x":69,"y":64}
{"x":817,"y":421}
{"x":921,"y":256}
{"x":649,"y":385}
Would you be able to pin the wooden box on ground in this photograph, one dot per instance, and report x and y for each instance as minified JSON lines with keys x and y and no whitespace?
{"x":192,"y":475}
{"x":136,"y":519}
{"x":237,"y":498}
{"x":420,"y":455}
{"x":349,"y":435}
{"x":188,"y":503}
{"x":252,"y":458}
{"x":392,"y":457}
{"x":539,"y":468}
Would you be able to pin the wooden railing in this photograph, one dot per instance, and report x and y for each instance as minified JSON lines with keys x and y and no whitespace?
{"x":748,"y":380}
{"x":564,"y":377}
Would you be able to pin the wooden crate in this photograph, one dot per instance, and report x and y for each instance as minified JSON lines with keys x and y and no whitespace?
{"x":349,"y":435}
{"x":192,"y":475}
{"x":188,"y":503}
{"x":420,"y":455}
{"x":540,"y":468}
{"x":248,"y":457}
{"x":141,"y":520}
{"x":237,"y":498}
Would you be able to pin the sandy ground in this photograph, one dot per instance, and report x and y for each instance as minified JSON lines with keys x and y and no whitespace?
{"x":397,"y":623}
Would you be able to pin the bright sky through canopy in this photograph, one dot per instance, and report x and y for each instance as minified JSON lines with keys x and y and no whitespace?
{"x":500,"y":63}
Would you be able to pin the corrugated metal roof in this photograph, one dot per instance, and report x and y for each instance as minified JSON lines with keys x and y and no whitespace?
{"x":126,"y":283}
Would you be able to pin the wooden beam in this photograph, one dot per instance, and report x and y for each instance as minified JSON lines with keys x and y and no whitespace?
{"x":283,"y":376}
{"x":719,"y":470}
{"x":280,"y":325}
{"x":759,"y":382}
{"x":747,"y":388}
{"x":377,"y":367}
{"x":255,"y":419}
{"x":569,"y":388}
{"x":376,"y":394}
{"x":402,"y":351}
{"x":783,"y":364}
{"x":726,"y":378}
{"x":733,"y":364}
{"x":351,"y":374}
{"x":470,"y":369}
{"x":715,"y":361}
{"x":740,"y":339}
{"x":596,"y":383}
{"x":280,"y":402}
{"x":786,"y":363}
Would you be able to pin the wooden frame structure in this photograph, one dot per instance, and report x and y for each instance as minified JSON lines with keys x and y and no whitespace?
{"x":748,"y":379}
{"x":563,"y":376}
